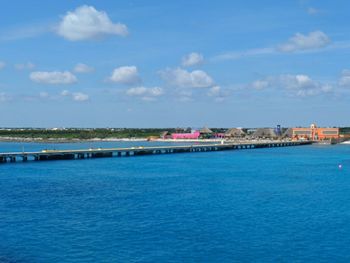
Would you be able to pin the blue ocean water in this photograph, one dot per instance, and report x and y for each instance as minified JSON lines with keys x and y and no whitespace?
{"x":262,"y":205}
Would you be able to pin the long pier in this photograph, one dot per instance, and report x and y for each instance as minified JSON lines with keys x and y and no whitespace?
{"x":45,"y":155}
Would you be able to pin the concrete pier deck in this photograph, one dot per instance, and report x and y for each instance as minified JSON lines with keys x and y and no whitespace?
{"x":45,"y":155}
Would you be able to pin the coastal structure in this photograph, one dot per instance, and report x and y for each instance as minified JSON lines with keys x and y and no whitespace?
{"x":46,"y":155}
{"x":315,"y":133}
{"x":204,"y":133}
{"x":268,"y":133}
{"x":234,"y":133}
{"x":288,"y":133}
{"x":193,"y":135}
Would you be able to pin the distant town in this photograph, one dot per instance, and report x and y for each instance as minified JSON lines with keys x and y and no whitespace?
{"x":311,"y":133}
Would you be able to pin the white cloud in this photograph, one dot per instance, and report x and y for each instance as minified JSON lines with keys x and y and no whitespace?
{"x":218,"y":93}
{"x":83,"y":68}
{"x":183,"y":78}
{"x":297,"y":85}
{"x":53,"y":77}
{"x":192,"y":59}
{"x":313,"y":40}
{"x":316,"y":41}
{"x":79,"y":96}
{"x":260,"y":84}
{"x":76,"y":96}
{"x":233,"y":55}
{"x":344,"y":80}
{"x":145,"y":93}
{"x":214,"y":91}
{"x":24,"y":66}
{"x":2,"y":65}
{"x":125,"y":75}
{"x":86,"y":23}
{"x":65,"y":93}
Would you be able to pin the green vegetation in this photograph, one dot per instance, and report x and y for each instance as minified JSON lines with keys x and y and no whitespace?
{"x":83,"y":134}
{"x":344,"y":130}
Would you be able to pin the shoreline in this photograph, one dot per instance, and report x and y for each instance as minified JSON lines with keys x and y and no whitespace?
{"x":64,"y":140}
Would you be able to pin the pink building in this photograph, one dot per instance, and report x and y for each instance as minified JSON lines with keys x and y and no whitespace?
{"x":193,"y":135}
{"x":219,"y":135}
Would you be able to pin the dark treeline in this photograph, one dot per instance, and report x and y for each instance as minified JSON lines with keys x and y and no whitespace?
{"x":344,"y":130}
{"x":82,"y":133}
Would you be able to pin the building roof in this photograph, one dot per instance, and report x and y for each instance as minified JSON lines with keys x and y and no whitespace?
{"x":206,"y":130}
{"x":235,"y":132}
{"x":265,"y":132}
{"x":288,"y":133}
{"x":164,"y":133}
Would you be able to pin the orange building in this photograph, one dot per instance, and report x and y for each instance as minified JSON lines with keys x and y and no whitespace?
{"x":316,"y":134}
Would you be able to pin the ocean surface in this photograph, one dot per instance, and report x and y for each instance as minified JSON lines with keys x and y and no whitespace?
{"x":261,"y":205}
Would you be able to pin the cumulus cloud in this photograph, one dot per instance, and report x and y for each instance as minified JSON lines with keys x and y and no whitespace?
{"x":145,"y":93}
{"x":298,"y":42}
{"x":2,"y":65}
{"x":86,"y":23}
{"x":303,"y":85}
{"x":298,"y":85}
{"x":185,"y":79}
{"x":53,"y":77}
{"x":125,"y":75}
{"x":345,"y":78}
{"x":25,"y":66}
{"x":82,"y":68}
{"x":192,"y":59}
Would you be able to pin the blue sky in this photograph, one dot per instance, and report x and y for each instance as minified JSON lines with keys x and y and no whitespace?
{"x":174,"y":63}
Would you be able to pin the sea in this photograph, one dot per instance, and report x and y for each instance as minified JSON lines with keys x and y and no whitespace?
{"x":289,"y":204}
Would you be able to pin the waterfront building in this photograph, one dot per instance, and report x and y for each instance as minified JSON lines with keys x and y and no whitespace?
{"x":180,"y":136}
{"x":205,"y":130}
{"x":315,"y":133}
{"x":165,"y":135}
{"x":288,"y":133}
{"x":219,"y":135}
{"x":267,"y":133}
{"x":206,"y":133}
{"x":235,"y":133}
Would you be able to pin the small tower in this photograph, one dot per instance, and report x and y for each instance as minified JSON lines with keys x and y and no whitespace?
{"x":314,"y":133}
